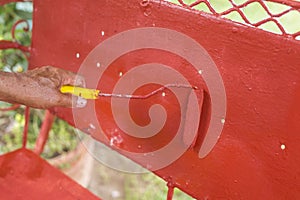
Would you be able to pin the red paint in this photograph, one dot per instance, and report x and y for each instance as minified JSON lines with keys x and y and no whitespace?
{"x":44,"y":132}
{"x":292,"y":3}
{"x":238,"y":8}
{"x":13,"y":30}
{"x":260,"y":71}
{"x":25,"y":129}
{"x":12,"y":107}
{"x":261,"y":75}
{"x":170,"y":193}
{"x":4,"y":44}
{"x":24,"y":175}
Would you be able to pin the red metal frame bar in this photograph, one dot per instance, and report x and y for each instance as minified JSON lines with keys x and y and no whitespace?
{"x":170,"y":191}
{"x":26,"y":29}
{"x":44,"y":132}
{"x":25,"y":130}
{"x":5,"y":44}
{"x":13,"y":107}
{"x":294,"y":5}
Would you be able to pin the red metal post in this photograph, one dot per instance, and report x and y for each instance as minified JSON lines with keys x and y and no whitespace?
{"x":25,"y":130}
{"x":170,"y":191}
{"x":44,"y":132}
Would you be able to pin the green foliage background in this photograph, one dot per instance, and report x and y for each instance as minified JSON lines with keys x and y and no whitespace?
{"x":11,"y":60}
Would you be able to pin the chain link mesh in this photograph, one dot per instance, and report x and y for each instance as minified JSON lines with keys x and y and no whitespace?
{"x":276,"y":16}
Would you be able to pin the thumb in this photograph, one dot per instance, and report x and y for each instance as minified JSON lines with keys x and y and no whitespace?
{"x":72,"y":101}
{"x":78,"y":102}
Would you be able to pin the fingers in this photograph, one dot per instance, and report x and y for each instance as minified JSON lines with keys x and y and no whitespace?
{"x":79,"y":102}
{"x":58,"y":76}
{"x":70,"y":101}
{"x":73,"y":79}
{"x":51,"y":79}
{"x":46,"y":74}
{"x":79,"y":81}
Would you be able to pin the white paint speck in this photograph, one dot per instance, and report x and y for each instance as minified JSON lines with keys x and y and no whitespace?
{"x":298,"y":37}
{"x":98,"y":64}
{"x":111,"y":141}
{"x":92,"y":126}
{"x":116,"y":140}
{"x":120,"y":74}
{"x":102,"y":33}
{"x":200,"y":71}
{"x":282,"y":146}
{"x":77,"y":55}
{"x":115,"y":194}
{"x":163,"y":94}
{"x":223,"y":121}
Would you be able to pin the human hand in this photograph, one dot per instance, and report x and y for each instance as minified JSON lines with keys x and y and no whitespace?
{"x":39,"y":88}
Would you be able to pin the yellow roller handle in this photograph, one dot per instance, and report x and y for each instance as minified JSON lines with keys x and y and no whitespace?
{"x":81,"y":92}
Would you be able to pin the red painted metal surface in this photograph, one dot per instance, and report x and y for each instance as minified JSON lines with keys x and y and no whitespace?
{"x":257,"y":155}
{"x":12,"y":107}
{"x":44,"y":132}
{"x":24,"y":175}
{"x":261,"y":76}
{"x":25,"y":129}
{"x":12,"y":45}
